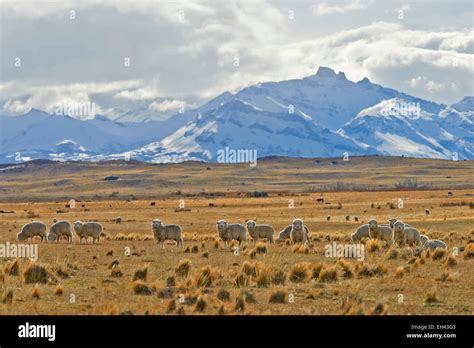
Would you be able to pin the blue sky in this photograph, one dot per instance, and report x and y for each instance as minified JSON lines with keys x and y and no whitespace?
{"x":183,"y":53}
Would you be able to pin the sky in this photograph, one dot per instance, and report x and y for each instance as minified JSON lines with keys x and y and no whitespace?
{"x":163,"y":56}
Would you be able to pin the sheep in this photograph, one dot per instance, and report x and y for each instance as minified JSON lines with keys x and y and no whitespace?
{"x":162,"y":232}
{"x":228,"y":232}
{"x":88,"y":229}
{"x":427,"y":212}
{"x":118,"y":220}
{"x":406,"y":234}
{"x":260,"y":231}
{"x":285,"y":233}
{"x":299,"y":233}
{"x":435,"y":243}
{"x":423,"y":239}
{"x":361,"y":232}
{"x":32,"y":229}
{"x":382,"y":231}
{"x":393,"y":220}
{"x":58,"y":229}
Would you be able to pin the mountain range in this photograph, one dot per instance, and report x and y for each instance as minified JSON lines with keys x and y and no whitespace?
{"x":322,"y":115}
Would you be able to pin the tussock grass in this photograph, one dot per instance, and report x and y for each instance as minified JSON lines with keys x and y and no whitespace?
{"x":373,"y":245}
{"x":206,"y":277}
{"x":299,"y":272}
{"x":36,"y":273}
{"x":12,"y":268}
{"x":141,"y":288}
{"x":183,"y":268}
{"x":141,"y":274}
{"x":438,"y":254}
{"x":278,"y":296}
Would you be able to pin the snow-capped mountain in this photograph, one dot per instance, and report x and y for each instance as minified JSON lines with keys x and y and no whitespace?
{"x":241,"y":126}
{"x":330,"y":99}
{"x":321,"y":115}
{"x":398,"y":127}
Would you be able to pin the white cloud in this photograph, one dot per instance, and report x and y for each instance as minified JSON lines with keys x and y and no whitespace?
{"x":167,"y":105}
{"x":327,"y":8}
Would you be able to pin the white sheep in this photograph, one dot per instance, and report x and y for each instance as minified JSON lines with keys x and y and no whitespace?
{"x":361,"y":232}
{"x":32,"y":229}
{"x":383,"y":232}
{"x":423,"y":239}
{"x":162,"y":233}
{"x":393,"y":220}
{"x":228,"y":232}
{"x":299,"y":233}
{"x":285,"y":233}
{"x":406,"y":234}
{"x":260,"y":231}
{"x":435,"y":243}
{"x":58,"y":229}
{"x":88,"y":229}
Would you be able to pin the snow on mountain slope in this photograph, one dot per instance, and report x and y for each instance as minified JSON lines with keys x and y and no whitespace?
{"x":330,"y":99}
{"x":239,"y":125}
{"x":397,"y":127}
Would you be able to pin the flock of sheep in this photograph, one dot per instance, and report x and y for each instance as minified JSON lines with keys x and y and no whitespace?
{"x":395,"y":231}
{"x":61,"y":229}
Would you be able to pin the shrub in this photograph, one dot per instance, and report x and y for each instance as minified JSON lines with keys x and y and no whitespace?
{"x":140,"y":274}
{"x":278,"y":296}
{"x":206,"y":277}
{"x":223,"y":295}
{"x":299,"y":272}
{"x":36,"y":273}
{"x":328,"y":274}
{"x":183,"y":268}
{"x":141,"y":288}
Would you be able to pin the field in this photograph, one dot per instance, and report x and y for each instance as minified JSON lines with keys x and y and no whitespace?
{"x":435,"y":196}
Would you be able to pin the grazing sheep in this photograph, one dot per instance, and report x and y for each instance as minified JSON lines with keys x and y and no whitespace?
{"x":328,"y":218}
{"x":404,"y":234}
{"x":55,"y":220}
{"x":228,"y":232}
{"x":382,"y":231}
{"x":58,"y":229}
{"x":162,"y":232}
{"x":299,"y":232}
{"x":427,"y":212}
{"x":260,"y":231}
{"x":348,"y":218}
{"x":423,"y":239}
{"x":88,"y":229}
{"x":32,"y":229}
{"x":435,"y":243}
{"x":361,"y":232}
{"x":118,"y":220}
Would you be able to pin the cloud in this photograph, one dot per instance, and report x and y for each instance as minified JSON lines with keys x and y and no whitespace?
{"x":326,"y":8}
{"x":168,"y":105}
{"x":191,"y":51}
